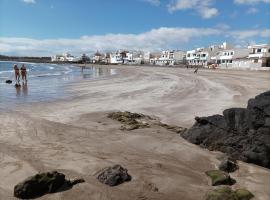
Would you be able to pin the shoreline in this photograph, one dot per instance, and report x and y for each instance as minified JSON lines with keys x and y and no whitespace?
{"x":75,"y":136}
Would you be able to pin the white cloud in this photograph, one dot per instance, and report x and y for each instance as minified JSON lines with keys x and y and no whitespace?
{"x":156,"y":39}
{"x":246,"y":34}
{"x":251,"y":1}
{"x":153,"y":2}
{"x":203,"y":7}
{"x":29,"y":1}
{"x":252,"y":11}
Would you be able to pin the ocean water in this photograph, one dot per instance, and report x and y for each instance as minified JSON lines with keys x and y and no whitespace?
{"x":46,"y":82}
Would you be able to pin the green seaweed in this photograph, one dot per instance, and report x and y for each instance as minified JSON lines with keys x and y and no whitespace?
{"x":226,"y":193}
{"x":219,"y":177}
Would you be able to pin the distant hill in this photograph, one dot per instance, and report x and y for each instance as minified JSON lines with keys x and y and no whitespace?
{"x":25,"y":59}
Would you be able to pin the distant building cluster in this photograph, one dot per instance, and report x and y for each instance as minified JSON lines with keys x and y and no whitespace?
{"x":214,"y":56}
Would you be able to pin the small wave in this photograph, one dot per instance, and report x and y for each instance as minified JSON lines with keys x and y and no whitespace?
{"x":9,"y":71}
{"x":45,"y":75}
{"x":69,"y":71}
{"x":51,"y":67}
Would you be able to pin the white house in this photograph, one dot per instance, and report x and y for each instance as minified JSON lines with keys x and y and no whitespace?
{"x":146,"y":57}
{"x":259,"y":55}
{"x":168,"y":58}
{"x":115,"y":58}
{"x":228,"y":58}
{"x":65,"y":57}
{"x":97,"y":57}
{"x":255,"y":56}
{"x":127,"y":57}
{"x":191,"y":57}
{"x":179,"y":56}
{"x":204,"y":56}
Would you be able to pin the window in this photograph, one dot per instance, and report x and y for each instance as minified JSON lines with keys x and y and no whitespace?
{"x":259,"y":50}
{"x":256,"y":60}
{"x":269,"y":50}
{"x":232,"y":53}
{"x":230,"y":61}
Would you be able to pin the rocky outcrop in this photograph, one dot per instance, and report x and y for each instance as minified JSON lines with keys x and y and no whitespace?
{"x":243,"y":133}
{"x":226,"y":193}
{"x":228,"y":165}
{"x":220,"y":178}
{"x":129,"y":120}
{"x":113,"y":176}
{"x":43,"y":183}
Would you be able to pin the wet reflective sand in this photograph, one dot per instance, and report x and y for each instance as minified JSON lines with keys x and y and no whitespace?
{"x":45,"y":86}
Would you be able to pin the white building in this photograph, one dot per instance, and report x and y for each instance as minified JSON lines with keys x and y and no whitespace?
{"x":121,"y":57}
{"x":168,"y":58}
{"x":259,"y":55}
{"x":227,"y":58}
{"x":204,"y":56}
{"x":65,"y":57}
{"x":97,"y":57}
{"x":146,"y":57}
{"x":115,"y":58}
{"x":179,"y":57}
{"x":127,"y":57}
{"x":255,"y":56}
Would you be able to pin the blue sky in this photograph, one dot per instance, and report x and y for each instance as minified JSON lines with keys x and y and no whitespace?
{"x":46,"y":27}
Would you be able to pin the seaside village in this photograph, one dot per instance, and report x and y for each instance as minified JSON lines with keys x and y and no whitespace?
{"x":214,"y":56}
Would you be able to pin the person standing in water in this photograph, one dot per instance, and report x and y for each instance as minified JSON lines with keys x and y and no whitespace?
{"x":17,"y":74}
{"x":23,"y":73}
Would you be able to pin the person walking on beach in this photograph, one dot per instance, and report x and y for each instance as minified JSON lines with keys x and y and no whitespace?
{"x":196,"y":70}
{"x":17,"y":74}
{"x":23,"y":73}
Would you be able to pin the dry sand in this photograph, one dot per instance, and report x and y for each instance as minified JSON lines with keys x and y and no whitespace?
{"x":75,"y":136}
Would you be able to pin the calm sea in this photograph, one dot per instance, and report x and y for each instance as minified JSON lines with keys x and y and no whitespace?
{"x":46,"y":82}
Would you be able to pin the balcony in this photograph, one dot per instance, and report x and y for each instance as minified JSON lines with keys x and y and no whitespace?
{"x":259,"y":55}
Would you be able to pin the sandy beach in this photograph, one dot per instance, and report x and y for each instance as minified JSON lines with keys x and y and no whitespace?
{"x":74,"y":136}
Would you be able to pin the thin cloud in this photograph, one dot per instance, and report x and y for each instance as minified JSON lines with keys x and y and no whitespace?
{"x":29,"y":1}
{"x":153,"y":2}
{"x":251,"y":1}
{"x":203,"y":7}
{"x":252,"y":11}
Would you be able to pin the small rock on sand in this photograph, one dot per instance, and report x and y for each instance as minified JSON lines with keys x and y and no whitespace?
{"x":113,"y":176}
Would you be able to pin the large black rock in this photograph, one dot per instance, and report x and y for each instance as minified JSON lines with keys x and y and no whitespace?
{"x":43,"y":183}
{"x":39,"y":185}
{"x":243,"y":133}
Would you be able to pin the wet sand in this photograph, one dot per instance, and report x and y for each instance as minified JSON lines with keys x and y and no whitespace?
{"x":75,"y":137}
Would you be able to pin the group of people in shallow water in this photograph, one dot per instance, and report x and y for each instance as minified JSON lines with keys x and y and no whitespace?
{"x":20,"y":74}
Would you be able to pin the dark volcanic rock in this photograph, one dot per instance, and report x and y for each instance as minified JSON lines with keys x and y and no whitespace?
{"x":43,"y":183}
{"x":113,"y":176}
{"x":228,"y":165}
{"x":243,"y":133}
{"x":39,"y":185}
{"x":8,"y":81}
